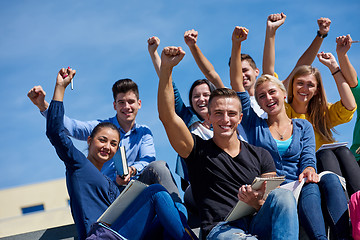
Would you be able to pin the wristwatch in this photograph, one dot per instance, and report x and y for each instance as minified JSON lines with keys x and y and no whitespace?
{"x":321,"y":35}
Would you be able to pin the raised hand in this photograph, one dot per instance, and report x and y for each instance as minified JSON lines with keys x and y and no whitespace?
{"x":343,"y":44}
{"x":190,"y":37}
{"x":324,"y":25}
{"x":171,"y":56}
{"x":153,"y":43}
{"x":274,"y":21}
{"x":65,"y":76}
{"x":236,"y":75}
{"x":342,"y":81}
{"x":63,"y":79}
{"x":328,"y":60}
{"x":239,"y":34}
{"x":37,"y":97}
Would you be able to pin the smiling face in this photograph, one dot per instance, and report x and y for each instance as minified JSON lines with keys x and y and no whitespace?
{"x":249,"y":76}
{"x":127,"y":105}
{"x":200,"y":99}
{"x":103,"y":146}
{"x":225,"y":115}
{"x":270,"y":97}
{"x":304,"y":88}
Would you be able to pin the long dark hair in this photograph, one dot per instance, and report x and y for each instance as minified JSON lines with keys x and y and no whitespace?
{"x":197,"y":83}
{"x":104,"y":125}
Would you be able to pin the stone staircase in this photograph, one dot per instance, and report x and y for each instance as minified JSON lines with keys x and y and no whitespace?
{"x":67,"y":232}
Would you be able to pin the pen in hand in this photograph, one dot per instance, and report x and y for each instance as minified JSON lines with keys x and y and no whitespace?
{"x":72,"y":82}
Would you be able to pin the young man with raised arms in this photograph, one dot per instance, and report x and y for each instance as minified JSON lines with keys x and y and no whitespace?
{"x":222,"y":167}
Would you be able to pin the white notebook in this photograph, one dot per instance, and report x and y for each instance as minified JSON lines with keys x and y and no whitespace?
{"x":126,"y":197}
{"x":242,"y":209}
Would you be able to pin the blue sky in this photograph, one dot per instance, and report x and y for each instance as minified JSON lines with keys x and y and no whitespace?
{"x":106,"y":41}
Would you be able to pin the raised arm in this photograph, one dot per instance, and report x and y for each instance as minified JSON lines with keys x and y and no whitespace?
{"x":308,"y":57}
{"x":63,"y":79}
{"x":343,"y":44}
{"x":37,"y":93}
{"x":203,"y":63}
{"x":77,"y":129}
{"x":153,"y":43}
{"x":346,"y":95}
{"x":37,"y":97}
{"x":179,"y":136}
{"x":236,"y":74}
{"x":274,"y":21}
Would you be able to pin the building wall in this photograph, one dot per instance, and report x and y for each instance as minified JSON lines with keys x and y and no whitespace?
{"x":51,"y":195}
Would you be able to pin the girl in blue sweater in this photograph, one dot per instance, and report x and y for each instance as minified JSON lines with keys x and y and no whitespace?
{"x":91,"y":193}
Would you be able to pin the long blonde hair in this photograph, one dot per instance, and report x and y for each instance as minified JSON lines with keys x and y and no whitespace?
{"x":318,"y":106}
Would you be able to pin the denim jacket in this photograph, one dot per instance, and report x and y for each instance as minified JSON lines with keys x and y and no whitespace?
{"x":299,"y":155}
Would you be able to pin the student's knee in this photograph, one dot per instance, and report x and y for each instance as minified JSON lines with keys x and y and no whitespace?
{"x":310,"y":189}
{"x":283,"y":198}
{"x":330,"y":184}
{"x":325,"y":155}
{"x":155,"y":188}
{"x":329,"y":179}
{"x":155,"y":172}
{"x":224,"y":231}
{"x":344,"y":154}
{"x":160,"y":167}
{"x":342,"y":150}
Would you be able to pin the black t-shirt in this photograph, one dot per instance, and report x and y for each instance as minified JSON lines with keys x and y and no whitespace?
{"x":216,"y":177}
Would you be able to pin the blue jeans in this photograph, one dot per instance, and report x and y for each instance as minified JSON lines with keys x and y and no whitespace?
{"x":153,"y":206}
{"x":277,"y":219}
{"x":322,"y":203}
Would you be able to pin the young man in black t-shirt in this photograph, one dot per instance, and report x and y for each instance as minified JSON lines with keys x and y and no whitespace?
{"x":221,"y":168}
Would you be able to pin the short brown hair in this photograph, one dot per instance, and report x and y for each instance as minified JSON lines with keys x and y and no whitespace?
{"x":224,"y":93}
{"x":246,"y":57}
{"x":123,"y":86}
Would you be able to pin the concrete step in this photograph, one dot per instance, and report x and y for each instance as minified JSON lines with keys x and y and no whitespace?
{"x":67,"y":232}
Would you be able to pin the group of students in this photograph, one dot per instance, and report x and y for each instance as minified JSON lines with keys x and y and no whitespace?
{"x":224,"y":139}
